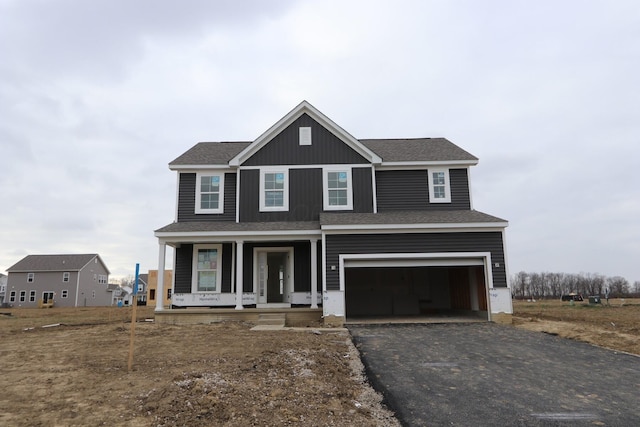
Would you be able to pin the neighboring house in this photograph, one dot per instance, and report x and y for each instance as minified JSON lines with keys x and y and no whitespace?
{"x":3,"y":287}
{"x":306,"y":215}
{"x":143,"y":285}
{"x":67,"y":280}
{"x":152,"y":288}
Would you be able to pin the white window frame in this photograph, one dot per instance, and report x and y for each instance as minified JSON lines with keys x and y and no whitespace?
{"x":325,"y":189}
{"x":285,"y":191}
{"x":304,"y":135}
{"x":102,"y":279}
{"x":65,"y":276}
{"x":31,"y":277}
{"x":12,"y":296}
{"x":64,"y":293}
{"x":23,"y":296}
{"x":220,"y":209}
{"x":447,"y":186}
{"x":32,"y":296}
{"x":194,"y":269}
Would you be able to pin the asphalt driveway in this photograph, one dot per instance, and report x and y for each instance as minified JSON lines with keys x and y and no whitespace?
{"x":483,"y":374}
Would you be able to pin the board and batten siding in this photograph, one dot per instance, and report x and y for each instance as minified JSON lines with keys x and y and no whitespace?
{"x":284,"y":148}
{"x":305,"y":195}
{"x":414,"y":243}
{"x":187,"y":199}
{"x":409,"y":190}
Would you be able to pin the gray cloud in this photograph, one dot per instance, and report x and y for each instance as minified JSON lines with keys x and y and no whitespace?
{"x":97,"y":97}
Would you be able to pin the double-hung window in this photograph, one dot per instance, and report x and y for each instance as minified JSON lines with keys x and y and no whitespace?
{"x":439,"y":187}
{"x":65,"y":276}
{"x":207,"y":272}
{"x":274,"y":190}
{"x":210,"y":193}
{"x":31,"y":277}
{"x":337,"y":189}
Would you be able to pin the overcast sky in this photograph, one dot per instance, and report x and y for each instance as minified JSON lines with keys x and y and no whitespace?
{"x":97,"y":97}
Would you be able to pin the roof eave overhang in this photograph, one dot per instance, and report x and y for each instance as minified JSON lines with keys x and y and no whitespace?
{"x":427,"y":164}
{"x":184,"y":168}
{"x":171,"y":236}
{"x":302,"y":108}
{"x":414,"y":228}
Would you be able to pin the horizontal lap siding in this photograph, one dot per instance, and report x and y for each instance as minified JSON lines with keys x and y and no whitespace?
{"x":402,"y":190}
{"x":414,"y":243}
{"x":284,"y":148}
{"x":305,"y":195}
{"x":409,"y":190}
{"x":184,"y":268}
{"x":187,"y":199}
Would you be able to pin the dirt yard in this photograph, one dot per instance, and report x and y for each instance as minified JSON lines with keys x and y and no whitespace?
{"x":68,"y":367}
{"x":615,"y":325}
{"x":75,"y":373}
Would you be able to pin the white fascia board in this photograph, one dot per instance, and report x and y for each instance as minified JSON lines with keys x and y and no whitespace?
{"x":413,"y":228}
{"x":280,"y":125}
{"x":426,"y":164}
{"x":196,"y":236}
{"x":194,"y":168}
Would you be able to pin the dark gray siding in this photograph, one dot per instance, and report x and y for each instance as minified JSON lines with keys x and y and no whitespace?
{"x":305,"y":195}
{"x":187,"y":199}
{"x":409,"y":190}
{"x":184,"y":266}
{"x":415,"y":243}
{"x":284,"y":148}
{"x":301,"y":264}
{"x":402,"y":190}
{"x":362,"y":190}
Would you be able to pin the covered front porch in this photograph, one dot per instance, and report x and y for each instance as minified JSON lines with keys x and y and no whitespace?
{"x":237,"y":270}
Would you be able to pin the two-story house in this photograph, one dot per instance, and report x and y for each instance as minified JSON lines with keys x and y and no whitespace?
{"x":306,"y":215}
{"x":69,"y":280}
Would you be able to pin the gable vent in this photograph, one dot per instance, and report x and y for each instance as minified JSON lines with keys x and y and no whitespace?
{"x":305,"y":136}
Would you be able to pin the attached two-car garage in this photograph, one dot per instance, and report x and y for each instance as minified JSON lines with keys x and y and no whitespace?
{"x":417,"y":285}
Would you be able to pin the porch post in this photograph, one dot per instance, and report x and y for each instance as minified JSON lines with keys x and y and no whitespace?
{"x":239,"y":259}
{"x":314,"y":273}
{"x":162,"y":253}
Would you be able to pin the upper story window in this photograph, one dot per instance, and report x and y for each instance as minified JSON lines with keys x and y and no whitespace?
{"x":30,"y":277}
{"x":274,"y":190}
{"x":439,"y":187}
{"x":210,"y":193}
{"x":102,"y":279}
{"x":65,"y":276}
{"x":337,"y":189}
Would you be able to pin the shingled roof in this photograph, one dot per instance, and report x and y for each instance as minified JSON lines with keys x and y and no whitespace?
{"x":210,"y":153}
{"x":409,"y":217}
{"x":33,"y":263}
{"x":417,"y":149}
{"x":390,"y":150}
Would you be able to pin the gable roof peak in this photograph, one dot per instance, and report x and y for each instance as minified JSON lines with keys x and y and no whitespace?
{"x":304,"y":107}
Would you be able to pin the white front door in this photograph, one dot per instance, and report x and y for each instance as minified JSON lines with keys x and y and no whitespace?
{"x":273,"y":272}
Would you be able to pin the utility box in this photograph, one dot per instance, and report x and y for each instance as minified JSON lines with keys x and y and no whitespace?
{"x":594,"y":300}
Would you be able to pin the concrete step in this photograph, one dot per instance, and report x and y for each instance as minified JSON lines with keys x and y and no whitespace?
{"x":276,"y":319}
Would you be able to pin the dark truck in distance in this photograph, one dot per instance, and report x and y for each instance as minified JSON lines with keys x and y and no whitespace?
{"x":572,"y":297}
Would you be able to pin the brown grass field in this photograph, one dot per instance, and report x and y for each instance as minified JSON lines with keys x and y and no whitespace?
{"x":615,"y":325}
{"x":69,"y":367}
